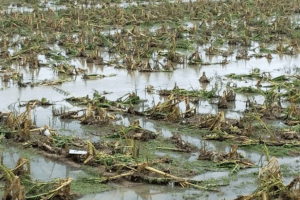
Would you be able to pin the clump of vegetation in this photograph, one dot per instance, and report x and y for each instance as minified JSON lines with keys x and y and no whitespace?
{"x":187,"y":93}
{"x":129,"y":99}
{"x":255,"y":73}
{"x":231,"y":159}
{"x":135,"y":131}
{"x":248,"y":90}
{"x":20,"y":185}
{"x":271,"y":185}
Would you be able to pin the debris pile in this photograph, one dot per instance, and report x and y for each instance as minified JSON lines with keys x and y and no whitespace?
{"x":136,"y":132}
{"x":180,"y":144}
{"x":98,"y":116}
{"x":223,"y":159}
{"x":271,"y":185}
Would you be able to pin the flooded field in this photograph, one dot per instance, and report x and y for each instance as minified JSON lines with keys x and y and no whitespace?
{"x":149,"y":99}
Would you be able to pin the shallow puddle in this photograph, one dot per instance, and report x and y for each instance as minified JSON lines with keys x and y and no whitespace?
{"x":41,"y":168}
{"x":145,"y":192}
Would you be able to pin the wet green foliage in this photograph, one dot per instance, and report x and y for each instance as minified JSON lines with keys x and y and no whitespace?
{"x":192,"y":93}
{"x":254,"y":74}
{"x":35,"y":188}
{"x":248,"y":90}
{"x":90,"y":186}
{"x":63,"y":140}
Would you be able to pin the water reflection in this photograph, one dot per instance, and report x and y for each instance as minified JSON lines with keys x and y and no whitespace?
{"x":41,"y":168}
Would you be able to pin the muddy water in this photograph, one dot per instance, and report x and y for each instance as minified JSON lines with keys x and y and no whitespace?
{"x":145,"y":192}
{"x":41,"y":168}
{"x":137,"y":81}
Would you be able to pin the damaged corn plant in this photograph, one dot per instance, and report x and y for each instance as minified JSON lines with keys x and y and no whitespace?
{"x":19,"y":184}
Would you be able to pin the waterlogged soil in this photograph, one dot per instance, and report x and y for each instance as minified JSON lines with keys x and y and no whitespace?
{"x":125,"y":82}
{"x":118,"y":82}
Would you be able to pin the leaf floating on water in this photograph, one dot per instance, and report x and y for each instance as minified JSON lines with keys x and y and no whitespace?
{"x":61,"y":91}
